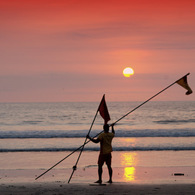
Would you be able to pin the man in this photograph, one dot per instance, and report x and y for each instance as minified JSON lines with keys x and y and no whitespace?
{"x":105,"y":140}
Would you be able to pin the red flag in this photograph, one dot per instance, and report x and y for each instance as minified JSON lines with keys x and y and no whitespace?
{"x":104,"y":110}
{"x":183,"y":82}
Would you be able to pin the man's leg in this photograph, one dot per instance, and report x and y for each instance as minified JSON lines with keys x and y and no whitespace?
{"x":100,"y":165}
{"x":108,"y":163}
{"x":110,"y":173}
{"x":100,"y":173}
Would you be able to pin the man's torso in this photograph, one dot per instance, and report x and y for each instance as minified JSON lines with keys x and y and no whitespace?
{"x":106,"y":142}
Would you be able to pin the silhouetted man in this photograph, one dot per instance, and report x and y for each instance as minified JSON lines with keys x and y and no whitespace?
{"x":105,"y":140}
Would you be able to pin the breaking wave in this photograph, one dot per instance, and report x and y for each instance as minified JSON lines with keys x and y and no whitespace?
{"x":83,"y":133}
{"x":154,"y":148}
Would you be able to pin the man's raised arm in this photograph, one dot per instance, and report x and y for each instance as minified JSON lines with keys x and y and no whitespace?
{"x":113,"y":131}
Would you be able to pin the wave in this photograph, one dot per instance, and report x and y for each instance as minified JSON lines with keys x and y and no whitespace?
{"x":147,"y":148}
{"x":175,"y":121}
{"x":83,"y":133}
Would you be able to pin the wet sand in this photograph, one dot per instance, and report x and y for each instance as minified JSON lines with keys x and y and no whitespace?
{"x":148,"y":181}
{"x":149,"y":176}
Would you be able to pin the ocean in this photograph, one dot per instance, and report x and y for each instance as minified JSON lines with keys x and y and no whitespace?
{"x":155,"y":126}
{"x":150,"y":145}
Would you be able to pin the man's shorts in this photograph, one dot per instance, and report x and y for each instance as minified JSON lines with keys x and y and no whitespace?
{"x":105,"y":158}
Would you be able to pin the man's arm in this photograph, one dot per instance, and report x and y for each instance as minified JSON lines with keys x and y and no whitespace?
{"x":93,"y":140}
{"x":113,"y":131}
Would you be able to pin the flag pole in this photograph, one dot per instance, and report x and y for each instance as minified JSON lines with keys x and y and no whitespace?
{"x":65,"y":157}
{"x":75,"y":166}
{"x":86,"y":142}
{"x":82,"y":147}
{"x":148,"y":100}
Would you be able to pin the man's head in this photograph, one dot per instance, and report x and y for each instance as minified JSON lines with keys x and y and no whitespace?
{"x":106,"y":128}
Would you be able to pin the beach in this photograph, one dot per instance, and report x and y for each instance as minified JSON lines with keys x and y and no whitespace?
{"x":142,"y":173}
{"x":153,"y":150}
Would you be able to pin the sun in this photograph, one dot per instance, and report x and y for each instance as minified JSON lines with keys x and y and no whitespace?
{"x":127,"y":72}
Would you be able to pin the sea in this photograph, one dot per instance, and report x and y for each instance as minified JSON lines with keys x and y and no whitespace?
{"x":151,"y":143}
{"x":155,"y":126}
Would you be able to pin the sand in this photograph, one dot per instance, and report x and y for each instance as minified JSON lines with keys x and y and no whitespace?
{"x":86,"y":189}
{"x":147,"y":176}
{"x":150,"y":180}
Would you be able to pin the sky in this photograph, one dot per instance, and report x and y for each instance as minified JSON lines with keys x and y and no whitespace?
{"x":76,"y":50}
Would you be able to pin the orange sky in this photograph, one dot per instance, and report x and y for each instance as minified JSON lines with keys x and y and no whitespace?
{"x":62,"y":50}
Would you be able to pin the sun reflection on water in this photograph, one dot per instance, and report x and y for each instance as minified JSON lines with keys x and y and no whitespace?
{"x":129,"y":162}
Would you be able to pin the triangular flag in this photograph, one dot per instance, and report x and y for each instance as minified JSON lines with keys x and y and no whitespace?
{"x":183,"y":82}
{"x":104,"y":110}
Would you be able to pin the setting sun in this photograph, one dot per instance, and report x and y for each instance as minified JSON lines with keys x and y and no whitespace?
{"x":127,"y":72}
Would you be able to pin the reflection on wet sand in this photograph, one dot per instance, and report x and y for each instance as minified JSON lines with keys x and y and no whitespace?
{"x":129,"y":173}
{"x":129,"y":162}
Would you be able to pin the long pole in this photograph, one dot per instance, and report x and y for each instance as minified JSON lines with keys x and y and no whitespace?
{"x":146,"y":101}
{"x":65,"y":157}
{"x":75,"y":166}
{"x":81,"y":147}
